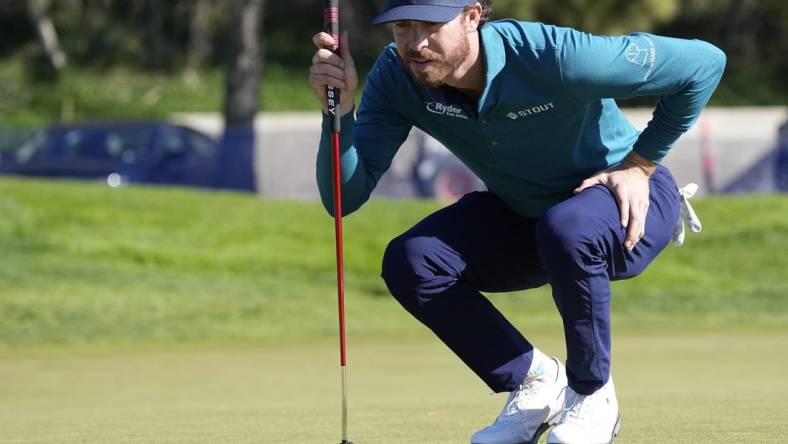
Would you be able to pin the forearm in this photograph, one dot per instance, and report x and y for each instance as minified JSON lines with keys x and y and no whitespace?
{"x":352,"y":176}
{"x":368,"y":143}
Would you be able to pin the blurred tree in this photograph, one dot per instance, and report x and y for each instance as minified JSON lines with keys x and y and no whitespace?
{"x":201,"y":30}
{"x":242,"y":84}
{"x":364,"y":37}
{"x":599,"y":16}
{"x":244,"y":62}
{"x":753,"y":34}
{"x":155,"y":35}
{"x":195,"y":37}
{"x":45,"y":29}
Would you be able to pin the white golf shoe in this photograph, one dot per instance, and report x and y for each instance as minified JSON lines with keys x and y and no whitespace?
{"x":588,"y":419}
{"x":530,"y":410}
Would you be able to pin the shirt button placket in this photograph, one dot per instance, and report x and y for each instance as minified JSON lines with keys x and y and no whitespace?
{"x":483,"y":121}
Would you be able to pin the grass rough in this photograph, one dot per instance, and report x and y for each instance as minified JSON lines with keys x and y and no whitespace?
{"x":83,"y":263}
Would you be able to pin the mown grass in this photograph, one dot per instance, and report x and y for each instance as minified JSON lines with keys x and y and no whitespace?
{"x":85,"y":263}
{"x":688,"y":387}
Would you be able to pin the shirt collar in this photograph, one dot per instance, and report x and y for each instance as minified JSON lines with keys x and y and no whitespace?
{"x":494,"y":57}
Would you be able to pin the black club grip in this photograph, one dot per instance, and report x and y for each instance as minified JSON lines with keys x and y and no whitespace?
{"x":331,"y":25}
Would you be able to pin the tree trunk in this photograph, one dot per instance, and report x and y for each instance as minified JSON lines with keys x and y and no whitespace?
{"x":242,"y":88}
{"x":243,"y":73}
{"x":200,"y":33}
{"x":38,"y":10}
{"x":156,"y":40}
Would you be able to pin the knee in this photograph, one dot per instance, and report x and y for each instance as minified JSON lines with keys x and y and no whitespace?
{"x":415,"y":268}
{"x":562,"y":233}
{"x":570,"y":241}
{"x":394,"y":263}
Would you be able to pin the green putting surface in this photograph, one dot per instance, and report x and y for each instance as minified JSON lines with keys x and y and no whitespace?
{"x":700,"y":386}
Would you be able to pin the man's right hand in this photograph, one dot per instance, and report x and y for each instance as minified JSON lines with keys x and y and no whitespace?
{"x":329,"y":69}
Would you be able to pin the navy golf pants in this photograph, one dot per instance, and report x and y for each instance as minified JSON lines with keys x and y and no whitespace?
{"x":438,"y":269}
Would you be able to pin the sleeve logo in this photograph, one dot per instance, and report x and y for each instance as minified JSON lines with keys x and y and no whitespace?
{"x":637,"y":55}
{"x":643,"y":55}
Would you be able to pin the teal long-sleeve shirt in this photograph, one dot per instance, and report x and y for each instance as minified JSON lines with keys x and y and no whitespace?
{"x":547,"y":118}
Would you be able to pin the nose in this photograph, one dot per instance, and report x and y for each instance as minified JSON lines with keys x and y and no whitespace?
{"x":417,"y":39}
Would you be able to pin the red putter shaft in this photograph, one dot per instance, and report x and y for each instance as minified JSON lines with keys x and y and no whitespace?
{"x":331,"y":22}
{"x":339,"y":249}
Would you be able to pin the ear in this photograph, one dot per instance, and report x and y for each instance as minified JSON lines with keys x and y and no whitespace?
{"x":473,"y":16}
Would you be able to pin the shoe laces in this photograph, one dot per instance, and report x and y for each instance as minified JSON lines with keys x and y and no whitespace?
{"x":520,"y":399}
{"x":582,"y":408}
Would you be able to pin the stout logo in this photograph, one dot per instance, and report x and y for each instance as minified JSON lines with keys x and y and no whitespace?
{"x":514,"y":115}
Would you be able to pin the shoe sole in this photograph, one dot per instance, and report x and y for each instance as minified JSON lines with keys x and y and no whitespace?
{"x":616,"y":429}
{"x":538,"y":434}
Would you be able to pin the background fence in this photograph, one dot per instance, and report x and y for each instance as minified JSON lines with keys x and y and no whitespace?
{"x":728,"y":150}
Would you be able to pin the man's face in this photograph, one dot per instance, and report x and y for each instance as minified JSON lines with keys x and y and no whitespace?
{"x":430,"y":51}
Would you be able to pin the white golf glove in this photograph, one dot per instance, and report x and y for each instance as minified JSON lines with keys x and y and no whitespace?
{"x":687,"y":214}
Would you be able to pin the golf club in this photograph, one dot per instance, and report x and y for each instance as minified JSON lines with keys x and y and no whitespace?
{"x":331,"y":22}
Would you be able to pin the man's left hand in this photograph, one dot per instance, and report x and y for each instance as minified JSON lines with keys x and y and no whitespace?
{"x":629,"y":184}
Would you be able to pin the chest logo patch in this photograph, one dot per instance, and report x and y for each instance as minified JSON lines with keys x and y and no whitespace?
{"x":514,"y":115}
{"x":446,"y":110}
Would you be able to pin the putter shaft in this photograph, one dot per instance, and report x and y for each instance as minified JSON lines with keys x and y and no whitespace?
{"x":331,"y":22}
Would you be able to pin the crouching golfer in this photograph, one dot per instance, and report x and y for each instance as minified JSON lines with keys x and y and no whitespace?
{"x":576,"y":197}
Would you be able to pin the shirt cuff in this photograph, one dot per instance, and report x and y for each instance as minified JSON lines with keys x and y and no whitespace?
{"x":346,"y":124}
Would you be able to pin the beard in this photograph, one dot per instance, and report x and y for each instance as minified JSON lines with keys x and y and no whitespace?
{"x":440,"y":67}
